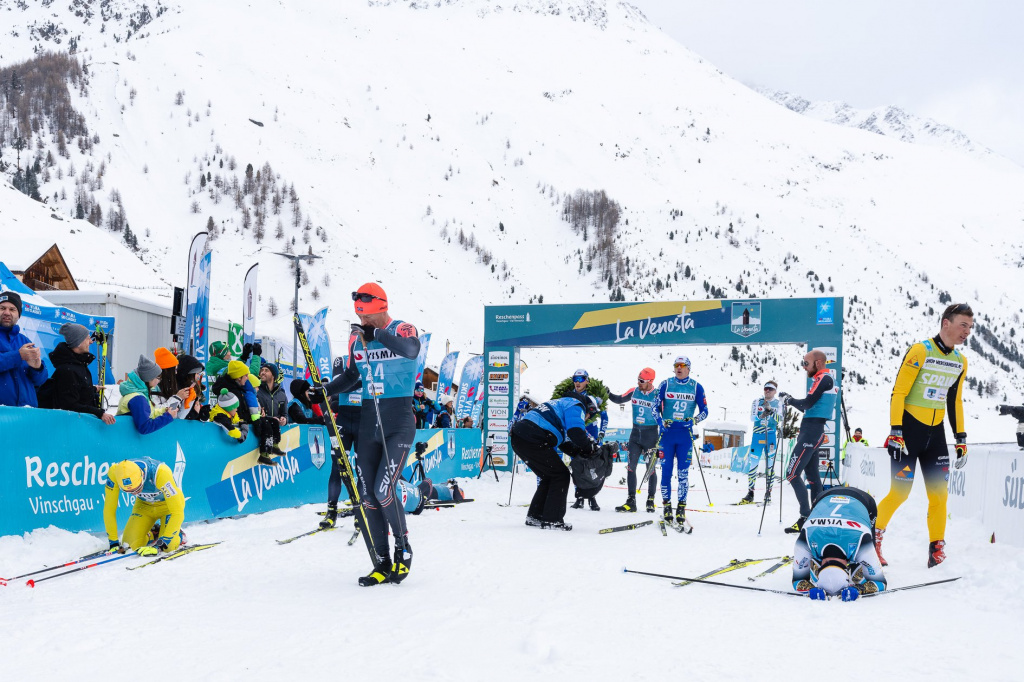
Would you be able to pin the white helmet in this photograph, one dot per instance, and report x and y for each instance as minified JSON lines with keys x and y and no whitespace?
{"x":832,"y":579}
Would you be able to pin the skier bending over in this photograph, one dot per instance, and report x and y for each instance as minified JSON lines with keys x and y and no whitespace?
{"x":835,"y":552}
{"x":158,"y":499}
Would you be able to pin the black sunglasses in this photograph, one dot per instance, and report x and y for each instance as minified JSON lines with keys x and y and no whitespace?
{"x":365,"y":298}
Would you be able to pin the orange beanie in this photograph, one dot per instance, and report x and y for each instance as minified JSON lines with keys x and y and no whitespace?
{"x":165,"y":358}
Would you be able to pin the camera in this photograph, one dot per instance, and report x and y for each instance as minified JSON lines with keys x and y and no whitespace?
{"x":1018,"y":414}
{"x":421,"y":447}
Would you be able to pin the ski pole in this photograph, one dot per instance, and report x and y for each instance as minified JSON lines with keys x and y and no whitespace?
{"x":768,"y":474}
{"x":513,"y":478}
{"x":32,"y":583}
{"x":712,"y":582}
{"x":699,"y":467}
{"x":911,"y":587}
{"x":380,"y":425}
{"x":87,"y":557}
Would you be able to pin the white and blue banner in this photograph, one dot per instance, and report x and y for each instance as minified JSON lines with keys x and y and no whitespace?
{"x":250,"y":298}
{"x":59,"y":480}
{"x":421,"y":359}
{"x":195,"y":255}
{"x":41,"y":322}
{"x":472,"y":377}
{"x":199,"y":330}
{"x":447,"y":373}
{"x":319,"y":342}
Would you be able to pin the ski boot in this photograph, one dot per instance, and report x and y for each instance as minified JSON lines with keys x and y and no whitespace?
{"x":650,"y":505}
{"x":879,"y":532}
{"x":936,"y":553}
{"x":330,"y":518}
{"x":380,"y":573}
{"x":457,"y":494}
{"x":533,"y":521}
{"x":748,"y":498}
{"x":402,"y":564}
{"x":668,"y":511}
{"x":593,"y":504}
{"x":578,"y":504}
{"x":555,"y":525}
{"x":629,"y":506}
{"x":796,"y":527}
{"x":681,"y":515}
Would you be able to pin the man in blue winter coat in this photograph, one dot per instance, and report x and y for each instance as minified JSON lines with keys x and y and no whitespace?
{"x":21,"y":363}
{"x":556,"y":423}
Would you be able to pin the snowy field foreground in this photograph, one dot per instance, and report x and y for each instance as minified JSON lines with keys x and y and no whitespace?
{"x":490,"y":599}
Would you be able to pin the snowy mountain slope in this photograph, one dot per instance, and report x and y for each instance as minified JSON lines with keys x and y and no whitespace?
{"x":95,"y":257}
{"x":401,"y":124}
{"x":891,"y":121}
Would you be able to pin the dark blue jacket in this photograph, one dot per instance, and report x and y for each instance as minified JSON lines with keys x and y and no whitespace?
{"x":18,"y":381}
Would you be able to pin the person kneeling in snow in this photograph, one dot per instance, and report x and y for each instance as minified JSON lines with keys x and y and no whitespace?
{"x":158,"y":499}
{"x":835,"y":551}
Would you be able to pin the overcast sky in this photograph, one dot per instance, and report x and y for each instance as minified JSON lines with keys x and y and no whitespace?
{"x":960,"y":63}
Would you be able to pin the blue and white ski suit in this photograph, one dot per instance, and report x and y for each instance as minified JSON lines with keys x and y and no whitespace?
{"x":682,"y":406}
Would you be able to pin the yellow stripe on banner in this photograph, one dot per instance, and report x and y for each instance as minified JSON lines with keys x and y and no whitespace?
{"x":436,"y":441}
{"x":289,"y":441}
{"x":642,"y":311}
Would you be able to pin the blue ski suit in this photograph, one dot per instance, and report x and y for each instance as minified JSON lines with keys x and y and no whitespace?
{"x":682,"y":406}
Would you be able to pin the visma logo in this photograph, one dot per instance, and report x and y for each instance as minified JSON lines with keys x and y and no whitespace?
{"x":957,"y":483}
{"x":1013,"y":489}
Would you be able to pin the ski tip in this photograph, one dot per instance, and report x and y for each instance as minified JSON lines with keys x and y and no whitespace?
{"x":30,"y":583}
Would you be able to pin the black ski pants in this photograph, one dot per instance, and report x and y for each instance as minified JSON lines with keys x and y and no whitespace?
{"x":536,"y":446}
{"x":641,"y":439}
{"x":805,"y":461}
{"x":383,"y":448}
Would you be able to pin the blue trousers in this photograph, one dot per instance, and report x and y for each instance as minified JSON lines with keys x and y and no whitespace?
{"x":678,"y":448}
{"x":764,"y":444}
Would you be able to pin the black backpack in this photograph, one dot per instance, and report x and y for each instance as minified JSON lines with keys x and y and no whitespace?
{"x":589,"y":473}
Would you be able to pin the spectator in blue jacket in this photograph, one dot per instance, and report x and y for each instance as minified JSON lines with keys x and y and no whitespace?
{"x":136,"y":400}
{"x":21,"y":362}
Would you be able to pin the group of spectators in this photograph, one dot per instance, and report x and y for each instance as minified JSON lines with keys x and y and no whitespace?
{"x":246,"y":392}
{"x":425,"y":409}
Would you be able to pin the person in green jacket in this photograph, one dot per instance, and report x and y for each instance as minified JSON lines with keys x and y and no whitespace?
{"x":220,"y":356}
{"x":858,"y":437}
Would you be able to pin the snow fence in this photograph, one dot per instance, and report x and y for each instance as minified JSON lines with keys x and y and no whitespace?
{"x":53,"y":467}
{"x":989,"y":488}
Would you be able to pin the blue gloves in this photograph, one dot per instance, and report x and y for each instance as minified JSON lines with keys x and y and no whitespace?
{"x":849,"y":593}
{"x":817,"y":594}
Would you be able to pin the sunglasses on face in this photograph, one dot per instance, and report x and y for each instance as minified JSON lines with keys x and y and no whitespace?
{"x":364,"y":298}
{"x":805,"y":364}
{"x":769,"y":390}
{"x":680,"y":366}
{"x":579,"y":380}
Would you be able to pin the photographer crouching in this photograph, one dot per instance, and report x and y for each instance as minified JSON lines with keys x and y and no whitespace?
{"x":1018,"y":414}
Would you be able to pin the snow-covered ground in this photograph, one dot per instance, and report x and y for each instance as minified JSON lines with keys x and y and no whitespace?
{"x":492,"y":599}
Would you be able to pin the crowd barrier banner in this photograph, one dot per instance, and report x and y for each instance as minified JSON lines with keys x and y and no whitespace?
{"x":54,"y":464}
{"x":989,"y":488}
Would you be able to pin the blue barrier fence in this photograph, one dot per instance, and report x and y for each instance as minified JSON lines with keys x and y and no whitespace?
{"x":53,"y":467}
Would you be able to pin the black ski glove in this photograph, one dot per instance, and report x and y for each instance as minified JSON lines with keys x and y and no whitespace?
{"x":246,"y":352}
{"x":257,"y":349}
{"x":366,"y":330}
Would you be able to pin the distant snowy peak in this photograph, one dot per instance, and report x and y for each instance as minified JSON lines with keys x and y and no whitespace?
{"x":46,"y":26}
{"x":890,"y":121}
{"x":589,"y":11}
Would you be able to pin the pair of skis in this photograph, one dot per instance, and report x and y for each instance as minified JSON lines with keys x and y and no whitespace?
{"x":104,"y":557}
